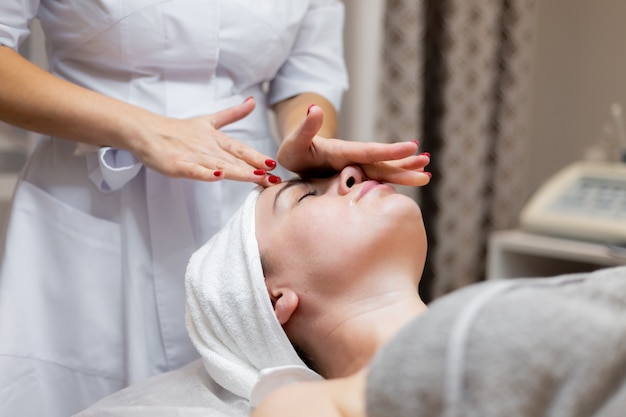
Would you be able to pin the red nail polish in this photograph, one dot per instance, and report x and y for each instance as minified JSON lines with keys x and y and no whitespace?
{"x":417,"y":142}
{"x":218,"y":173}
{"x":309,"y":109}
{"x":429,"y":174}
{"x":270,"y":163}
{"x":260,"y":172}
{"x":274,"y":179}
{"x":425,"y":154}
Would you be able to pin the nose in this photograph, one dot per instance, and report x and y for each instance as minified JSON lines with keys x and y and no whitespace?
{"x":349,"y":177}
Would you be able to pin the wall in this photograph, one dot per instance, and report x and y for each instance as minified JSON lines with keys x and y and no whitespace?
{"x":363,"y":35}
{"x":580,"y":70}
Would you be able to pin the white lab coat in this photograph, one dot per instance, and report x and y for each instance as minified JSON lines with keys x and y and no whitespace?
{"x":91,"y":279}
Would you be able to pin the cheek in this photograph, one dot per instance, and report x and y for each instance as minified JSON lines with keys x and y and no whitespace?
{"x":330,"y":242}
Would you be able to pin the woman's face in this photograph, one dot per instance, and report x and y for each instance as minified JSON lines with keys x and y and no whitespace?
{"x":321,"y":230}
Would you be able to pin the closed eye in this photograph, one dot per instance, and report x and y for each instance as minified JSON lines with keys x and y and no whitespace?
{"x":307,"y":194}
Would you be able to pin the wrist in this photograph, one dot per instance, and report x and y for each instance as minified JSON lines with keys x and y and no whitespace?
{"x":137,"y":132}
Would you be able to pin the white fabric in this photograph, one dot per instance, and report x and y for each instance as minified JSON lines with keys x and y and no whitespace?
{"x":185,"y":392}
{"x":188,"y":392}
{"x":230,"y":318}
{"x":91,"y":277}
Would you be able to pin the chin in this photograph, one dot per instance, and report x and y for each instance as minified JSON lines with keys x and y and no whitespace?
{"x":400,"y":221}
{"x":402,"y":206}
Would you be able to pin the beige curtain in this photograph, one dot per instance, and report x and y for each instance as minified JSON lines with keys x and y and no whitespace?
{"x":456,"y":75}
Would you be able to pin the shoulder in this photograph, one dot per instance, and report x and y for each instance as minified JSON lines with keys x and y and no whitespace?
{"x":343,"y":397}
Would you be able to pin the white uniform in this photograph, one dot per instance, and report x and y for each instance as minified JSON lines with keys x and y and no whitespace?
{"x":91,"y":279}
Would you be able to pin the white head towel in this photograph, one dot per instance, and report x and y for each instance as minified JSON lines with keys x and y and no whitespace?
{"x":230,"y":318}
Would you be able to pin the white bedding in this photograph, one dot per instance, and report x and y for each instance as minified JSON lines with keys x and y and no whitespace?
{"x":186,"y":392}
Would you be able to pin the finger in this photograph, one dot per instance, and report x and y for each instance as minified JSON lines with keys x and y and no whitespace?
{"x":270,"y":180}
{"x":232,"y":114}
{"x":385,"y":172}
{"x":258,"y":176}
{"x":413,"y":162}
{"x":342,"y":152}
{"x":239,"y":153}
{"x":300,"y":139}
{"x":195,"y":171}
{"x":198,"y":172}
{"x":237,"y":161}
{"x":312,"y":122}
{"x":213,"y":167}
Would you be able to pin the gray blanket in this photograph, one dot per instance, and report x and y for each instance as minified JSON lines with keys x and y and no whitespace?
{"x":528,"y":347}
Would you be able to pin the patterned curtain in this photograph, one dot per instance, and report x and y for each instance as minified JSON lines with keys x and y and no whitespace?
{"x":456,"y":75}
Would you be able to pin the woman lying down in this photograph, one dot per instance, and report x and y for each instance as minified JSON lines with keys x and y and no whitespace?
{"x":306,"y":303}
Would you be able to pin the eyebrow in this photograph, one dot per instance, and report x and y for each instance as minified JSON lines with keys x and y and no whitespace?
{"x":290,"y":183}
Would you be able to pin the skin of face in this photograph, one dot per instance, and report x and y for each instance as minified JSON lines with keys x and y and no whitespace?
{"x":338,"y":243}
{"x":321,"y":234}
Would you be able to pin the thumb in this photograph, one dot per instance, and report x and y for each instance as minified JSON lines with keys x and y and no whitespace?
{"x":308,"y":128}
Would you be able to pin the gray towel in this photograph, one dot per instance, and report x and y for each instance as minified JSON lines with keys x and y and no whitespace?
{"x":525,"y":347}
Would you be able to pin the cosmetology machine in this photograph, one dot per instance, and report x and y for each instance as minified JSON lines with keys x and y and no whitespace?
{"x":585,"y":200}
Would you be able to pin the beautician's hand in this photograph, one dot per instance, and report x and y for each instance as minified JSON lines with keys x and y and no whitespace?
{"x":192,"y":148}
{"x":196,"y":149}
{"x":306,"y":153}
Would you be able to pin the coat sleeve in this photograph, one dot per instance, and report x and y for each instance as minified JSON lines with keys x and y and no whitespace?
{"x":15,"y":18}
{"x":316,"y":62}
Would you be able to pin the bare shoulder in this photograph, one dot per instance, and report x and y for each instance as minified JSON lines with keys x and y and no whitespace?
{"x":342,"y":397}
{"x":302,"y":399}
{"x":349,"y":394}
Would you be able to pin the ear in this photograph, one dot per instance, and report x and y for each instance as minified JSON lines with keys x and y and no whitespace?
{"x":285,"y":302}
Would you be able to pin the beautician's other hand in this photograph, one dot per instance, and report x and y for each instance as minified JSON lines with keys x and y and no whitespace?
{"x":306,"y":153}
{"x":406,"y":171}
{"x":195,"y":148}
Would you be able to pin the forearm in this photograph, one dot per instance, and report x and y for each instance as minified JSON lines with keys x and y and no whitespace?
{"x":290,"y":112}
{"x":33,"y":99}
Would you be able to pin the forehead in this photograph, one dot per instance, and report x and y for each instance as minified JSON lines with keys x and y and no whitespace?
{"x":268,"y":194}
{"x":276,"y":201}
{"x":268,"y":219}
{"x":282,"y":197}
{"x":270,"y":197}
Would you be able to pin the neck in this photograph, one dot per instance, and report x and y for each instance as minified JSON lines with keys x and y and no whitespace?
{"x":354,"y":331}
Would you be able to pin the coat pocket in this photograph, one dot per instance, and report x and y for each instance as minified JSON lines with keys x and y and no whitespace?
{"x":61,"y":285}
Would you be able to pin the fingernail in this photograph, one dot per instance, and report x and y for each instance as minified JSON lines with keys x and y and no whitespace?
{"x":429,"y":174}
{"x":260,"y":172}
{"x":218,"y":173}
{"x":274,"y":179}
{"x":309,"y":109}
{"x":425,"y":154}
{"x":417,"y":142}
{"x":248,"y":99}
{"x":270,"y":163}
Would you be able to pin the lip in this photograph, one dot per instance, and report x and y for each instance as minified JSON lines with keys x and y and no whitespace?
{"x":368,"y":186}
